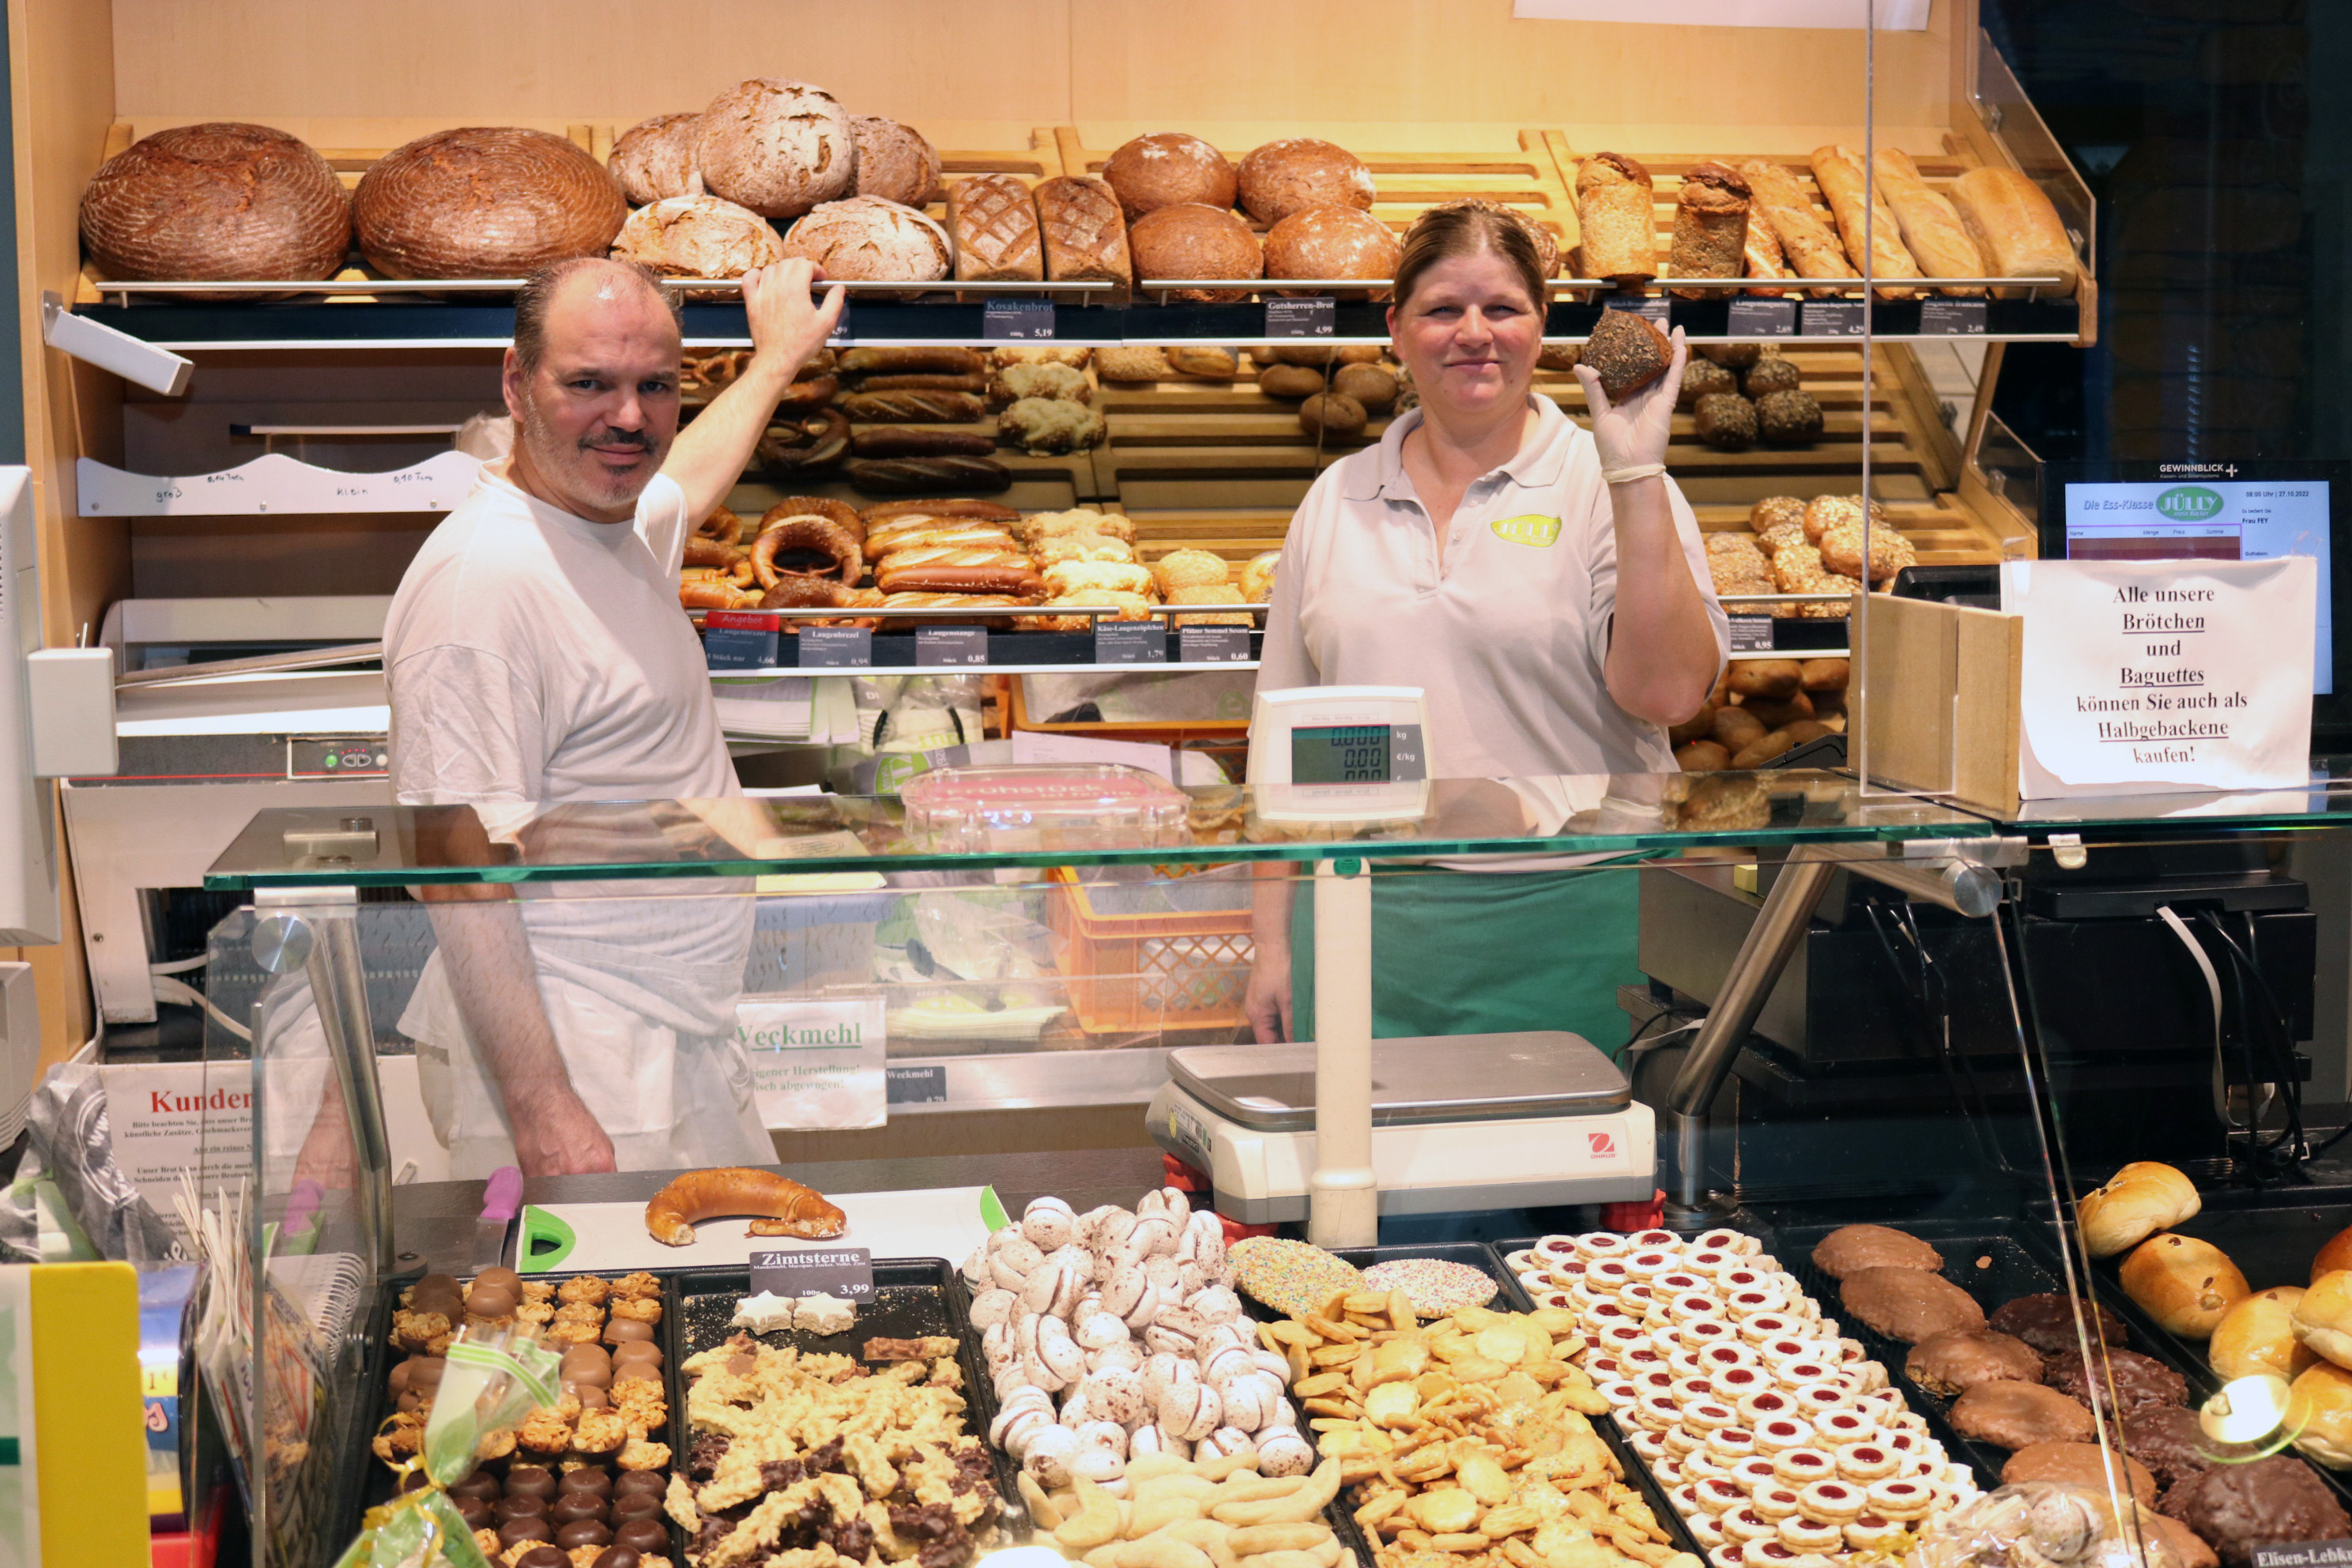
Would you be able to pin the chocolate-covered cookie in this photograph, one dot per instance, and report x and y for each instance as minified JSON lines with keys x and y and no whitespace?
{"x":2141,"y":1382}
{"x":2074,"y":1464}
{"x":2015,"y":1415}
{"x":544,"y":1556}
{"x":517,"y":1532}
{"x":1958,"y":1359}
{"x":584,"y":1532}
{"x":2169,"y":1440}
{"x":586,"y":1479}
{"x":1909,"y":1304}
{"x":531,"y":1480}
{"x":1851,"y":1248}
{"x":2047,"y":1322}
{"x":2236,"y":1507}
{"x":649,"y":1536}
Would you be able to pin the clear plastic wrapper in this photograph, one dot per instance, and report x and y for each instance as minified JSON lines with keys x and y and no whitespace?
{"x":2041,"y":1524}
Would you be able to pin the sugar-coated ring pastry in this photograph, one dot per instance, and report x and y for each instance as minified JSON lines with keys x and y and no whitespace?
{"x":1600,"y":1244}
{"x":1753,"y":1473}
{"x":1803,"y":1466}
{"x":1775,"y":1503}
{"x":1733,"y":1446}
{"x":1834,"y":1502}
{"x":1744,"y":1523}
{"x":1767,"y":1405}
{"x":1783,"y":1433}
{"x":1899,"y":1497}
{"x":1717,"y":1496}
{"x":1801,"y":1535}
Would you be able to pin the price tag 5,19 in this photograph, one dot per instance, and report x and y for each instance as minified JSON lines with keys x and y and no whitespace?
{"x":847,"y":1272}
{"x":1016,"y":321}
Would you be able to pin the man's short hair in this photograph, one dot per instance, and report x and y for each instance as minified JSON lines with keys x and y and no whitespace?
{"x":538,"y":294}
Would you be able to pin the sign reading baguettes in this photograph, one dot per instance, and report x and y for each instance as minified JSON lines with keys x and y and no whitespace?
{"x":2149,"y":675}
{"x":1528,"y":529}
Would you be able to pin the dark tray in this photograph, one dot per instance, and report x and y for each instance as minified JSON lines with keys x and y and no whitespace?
{"x":914,"y":1298}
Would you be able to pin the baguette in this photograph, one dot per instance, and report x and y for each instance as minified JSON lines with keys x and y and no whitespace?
{"x":875,"y":516}
{"x":899,"y":441}
{"x":994,"y":222}
{"x":1939,"y":241}
{"x":911,"y":475}
{"x":913,"y":407}
{"x":1619,"y":231}
{"x":1710,"y":227}
{"x":1846,"y":187}
{"x":2017,"y":230}
{"x":1809,"y":247}
{"x":935,"y":361}
{"x":1764,"y":259}
{"x":924,"y":381}
{"x":1085,"y":234}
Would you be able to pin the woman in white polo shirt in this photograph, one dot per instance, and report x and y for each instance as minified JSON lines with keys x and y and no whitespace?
{"x":1545,"y":586}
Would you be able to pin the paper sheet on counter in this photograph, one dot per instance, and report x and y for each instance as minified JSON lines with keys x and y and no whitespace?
{"x":611,"y":1238}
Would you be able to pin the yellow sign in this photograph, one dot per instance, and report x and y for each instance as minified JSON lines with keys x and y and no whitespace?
{"x":1530,"y":530}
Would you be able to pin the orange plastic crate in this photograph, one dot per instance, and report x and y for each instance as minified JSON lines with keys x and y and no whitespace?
{"x":1127,"y":972}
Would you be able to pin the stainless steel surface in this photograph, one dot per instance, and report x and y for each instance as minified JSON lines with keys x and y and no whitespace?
{"x":1460,"y":1078}
{"x":1038,"y":1080}
{"x":264,"y":664}
{"x":1964,"y":890}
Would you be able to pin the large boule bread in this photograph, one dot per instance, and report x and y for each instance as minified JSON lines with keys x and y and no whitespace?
{"x":893,"y":161}
{"x":217,"y":200}
{"x":1166,"y":169}
{"x":1298,"y":173}
{"x":697,"y":236}
{"x":865,"y":238}
{"x":2141,"y":1199}
{"x":1332,"y":242}
{"x":778,"y":147}
{"x":485,"y":202}
{"x":1193,"y":240}
{"x":654,"y":159}
{"x":2186,"y":1285}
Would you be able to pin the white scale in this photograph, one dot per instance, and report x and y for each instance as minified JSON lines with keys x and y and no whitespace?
{"x":1339,"y":753}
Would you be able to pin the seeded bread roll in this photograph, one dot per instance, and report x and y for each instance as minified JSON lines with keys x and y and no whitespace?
{"x":654,"y":159}
{"x":1298,"y":173}
{"x":1166,"y":169}
{"x":1086,"y":238}
{"x":1726,"y":421}
{"x":994,"y":221}
{"x":1614,"y":214}
{"x":1628,"y":352}
{"x":1710,"y":227}
{"x":1192,"y":240}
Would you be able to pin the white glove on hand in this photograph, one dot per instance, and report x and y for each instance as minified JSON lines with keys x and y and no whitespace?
{"x":1633,"y":435}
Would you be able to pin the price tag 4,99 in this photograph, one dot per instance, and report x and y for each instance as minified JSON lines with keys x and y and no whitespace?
{"x":1316,"y":317}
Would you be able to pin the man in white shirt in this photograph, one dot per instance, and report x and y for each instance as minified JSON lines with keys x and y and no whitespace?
{"x":537,"y":657}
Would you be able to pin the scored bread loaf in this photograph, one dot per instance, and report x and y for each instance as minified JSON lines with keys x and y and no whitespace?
{"x":485,"y":202}
{"x":1619,"y":236}
{"x":868,"y":240}
{"x":1809,"y":247}
{"x":1939,"y":241}
{"x":2144,"y":1198}
{"x":1763,"y":256}
{"x":1085,"y":234}
{"x":697,"y":236}
{"x":1839,"y":172}
{"x":1710,"y":237}
{"x":2017,"y":230}
{"x":994,"y":221}
{"x":219,"y":200}
{"x":912,"y":407}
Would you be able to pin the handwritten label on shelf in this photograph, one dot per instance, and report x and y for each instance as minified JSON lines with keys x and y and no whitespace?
{"x":1832,"y":319}
{"x":1016,"y":321}
{"x":844,"y":1272}
{"x":733,"y":639}
{"x":944,"y":648}
{"x":1751,"y":633}
{"x":1131,"y":642}
{"x":274,"y":483}
{"x":1213,"y":645}
{"x":837,"y":647}
{"x":1763,"y":319}
{"x":1952,"y":319}
{"x":1301,"y":317}
{"x":1639,"y":305}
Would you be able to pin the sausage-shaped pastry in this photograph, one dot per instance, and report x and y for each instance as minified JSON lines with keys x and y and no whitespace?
{"x":783,"y":1205}
{"x":1840,"y":172}
{"x":1809,"y":245}
{"x":1619,"y":233}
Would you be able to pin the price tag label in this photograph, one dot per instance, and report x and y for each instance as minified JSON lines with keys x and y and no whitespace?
{"x":1654,"y":309}
{"x":1131,"y":642}
{"x":1763,"y":319}
{"x":847,"y":1272}
{"x":1213,"y":645}
{"x":837,"y":647}
{"x":916,"y":1086}
{"x":1952,"y":319}
{"x":1016,"y":321}
{"x":943,"y":647}
{"x":1301,"y":317}
{"x":2304,"y":1554}
{"x":1751,"y":633}
{"x":734,"y":640}
{"x":1832,"y":319}
{"x":840,"y":330}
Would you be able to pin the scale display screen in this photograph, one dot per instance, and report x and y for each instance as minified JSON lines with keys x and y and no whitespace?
{"x":1340,"y":753}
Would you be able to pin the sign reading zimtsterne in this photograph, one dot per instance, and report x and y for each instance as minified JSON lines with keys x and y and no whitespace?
{"x":2186,"y":674}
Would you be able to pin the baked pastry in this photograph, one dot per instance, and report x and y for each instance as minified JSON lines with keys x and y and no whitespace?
{"x":1763,"y":257}
{"x":1627,"y":351}
{"x":1932,"y":230}
{"x":1842,"y":547}
{"x":2140,"y":1380}
{"x":1769,"y":373}
{"x":1043,"y":379}
{"x":1218,"y":594}
{"x":1710,"y":237}
{"x":1046,"y":425}
{"x":2016,"y":230}
{"x":893,"y":161}
{"x":2079,"y":1465}
{"x":1839,"y":171}
{"x":1909,"y":1304}
{"x":1332,"y":242}
{"x":868,"y":240}
{"x":916,"y":476}
{"x":1958,"y":1359}
{"x":1373,"y":385}
{"x":1298,"y":173}
{"x":2256,"y":1335}
{"x":1188,"y":239}
{"x":2322,"y":1317}
{"x":1726,"y":421}
{"x":697,"y":236}
{"x":1257,"y":577}
{"x":781,"y":1205}
{"x":1822,"y":511}
{"x":1617,"y":233}
{"x":780,"y":148}
{"x":1332,"y":414}
{"x":1137,"y":362}
{"x":2188,"y":1548}
{"x":2137,"y":1202}
{"x":2186,"y":1285}
{"x":654,"y":159}
{"x":917,"y":441}
{"x":993,"y":220}
{"x":803,"y":444}
{"x":1190,"y":569}
{"x":2335,"y":1254}
{"x":1788,"y":418}
{"x":1202,"y":359}
{"x":1797,"y":569}
{"x":1704,"y":378}
{"x":484,"y":202}
{"x":2236,"y":1507}
{"x":1071,"y":354}
{"x":2016,"y":1416}
{"x":913,"y":407}
{"x":1084,"y":237}
{"x":2319,"y":1413}
{"x":1808,"y":244}
{"x":2046,"y":1322}
{"x":1774,"y":512}
{"x":1169,"y":168}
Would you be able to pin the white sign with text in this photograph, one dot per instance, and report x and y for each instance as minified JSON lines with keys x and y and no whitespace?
{"x":815,"y":1064}
{"x":2142,"y":676}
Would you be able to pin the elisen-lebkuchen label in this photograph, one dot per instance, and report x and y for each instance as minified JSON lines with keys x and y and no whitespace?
{"x":2139,"y":675}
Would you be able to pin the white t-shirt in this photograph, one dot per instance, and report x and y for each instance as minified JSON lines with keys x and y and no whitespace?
{"x":1509,"y":640}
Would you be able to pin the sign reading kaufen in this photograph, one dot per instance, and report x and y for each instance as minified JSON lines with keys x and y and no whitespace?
{"x":815,"y":1064}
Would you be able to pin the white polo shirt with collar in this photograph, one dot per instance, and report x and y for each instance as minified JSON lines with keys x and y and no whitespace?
{"x":1509,"y":638}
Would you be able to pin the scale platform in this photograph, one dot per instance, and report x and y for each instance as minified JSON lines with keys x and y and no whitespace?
{"x":1459,"y":1122}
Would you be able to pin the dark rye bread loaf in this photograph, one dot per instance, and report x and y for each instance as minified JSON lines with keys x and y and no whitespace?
{"x":219,"y":200}
{"x":485,"y":202}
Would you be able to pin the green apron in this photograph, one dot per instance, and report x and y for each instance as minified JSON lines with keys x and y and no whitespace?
{"x":1462,"y":952}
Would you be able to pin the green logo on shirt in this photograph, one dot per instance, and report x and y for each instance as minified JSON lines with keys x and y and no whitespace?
{"x":1530,"y":530}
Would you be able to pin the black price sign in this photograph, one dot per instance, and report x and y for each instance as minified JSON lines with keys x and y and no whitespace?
{"x":1016,"y":321}
{"x":731,"y":640}
{"x":837,"y":647}
{"x":1751,"y":633}
{"x":1131,"y":642}
{"x":2304,"y":1554}
{"x":1213,"y":645}
{"x":914,"y":1086}
{"x":1832,"y":319}
{"x":841,"y":332}
{"x":1763,"y":319}
{"x":1952,"y":319}
{"x":943,"y":647}
{"x":1301,"y":317}
{"x":845,"y":1272}
{"x":1639,"y":305}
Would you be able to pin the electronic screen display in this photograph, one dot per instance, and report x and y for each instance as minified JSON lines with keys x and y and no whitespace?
{"x":1340,"y":753}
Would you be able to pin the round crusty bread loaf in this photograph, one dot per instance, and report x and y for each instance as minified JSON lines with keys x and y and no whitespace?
{"x":219,"y":200}
{"x":2186,"y":1285}
{"x":893,"y":161}
{"x":777,"y":147}
{"x":697,"y":236}
{"x":1169,"y":169}
{"x":1331,"y":242}
{"x":1192,"y":240}
{"x":1298,"y":173}
{"x":654,"y":159}
{"x":485,"y":202}
{"x":865,"y":238}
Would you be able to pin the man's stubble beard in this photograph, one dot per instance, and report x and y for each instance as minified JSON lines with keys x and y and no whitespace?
{"x":572,"y":464}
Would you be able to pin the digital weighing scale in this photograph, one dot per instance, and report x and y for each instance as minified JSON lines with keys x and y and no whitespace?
{"x":1462,"y":1121}
{"x":1343,"y":753}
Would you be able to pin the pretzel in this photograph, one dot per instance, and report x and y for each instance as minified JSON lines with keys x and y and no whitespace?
{"x":784,"y":1207}
{"x":806,"y":531}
